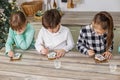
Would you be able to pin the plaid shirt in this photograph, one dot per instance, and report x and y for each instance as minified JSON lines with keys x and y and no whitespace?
{"x":90,"y":40}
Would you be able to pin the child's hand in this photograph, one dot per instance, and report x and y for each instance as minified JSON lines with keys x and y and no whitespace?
{"x":107,"y":55}
{"x":91,"y":53}
{"x":10,"y":53}
{"x":45,"y":51}
{"x":60,"y":53}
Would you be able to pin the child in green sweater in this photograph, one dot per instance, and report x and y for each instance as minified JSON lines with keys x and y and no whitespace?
{"x":20,"y":33}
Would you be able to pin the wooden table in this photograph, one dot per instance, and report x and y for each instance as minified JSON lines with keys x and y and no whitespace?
{"x":75,"y":66}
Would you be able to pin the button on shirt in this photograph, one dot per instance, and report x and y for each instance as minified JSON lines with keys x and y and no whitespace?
{"x":59,"y":40}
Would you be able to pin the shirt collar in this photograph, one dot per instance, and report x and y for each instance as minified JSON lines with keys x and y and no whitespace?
{"x":59,"y":31}
{"x":27,"y":25}
{"x":92,"y":30}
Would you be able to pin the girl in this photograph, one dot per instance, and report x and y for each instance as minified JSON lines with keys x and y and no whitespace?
{"x":20,"y":34}
{"x":97,"y":38}
{"x":53,"y":36}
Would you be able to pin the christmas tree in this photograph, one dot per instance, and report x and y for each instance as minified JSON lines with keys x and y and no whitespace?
{"x":9,"y":6}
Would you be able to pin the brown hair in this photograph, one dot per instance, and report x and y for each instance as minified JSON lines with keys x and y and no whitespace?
{"x":106,"y":21}
{"x":51,"y":19}
{"x":17,"y":20}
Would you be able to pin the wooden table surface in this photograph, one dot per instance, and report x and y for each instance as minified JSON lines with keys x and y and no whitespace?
{"x":74,"y":66}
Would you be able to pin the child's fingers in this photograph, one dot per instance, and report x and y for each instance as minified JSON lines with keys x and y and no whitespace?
{"x":110,"y":56}
{"x":107,"y":55}
{"x":58,"y":55}
{"x":91,"y":53}
{"x":63,"y":54}
{"x":103,"y":54}
{"x":44,"y":54}
{"x":11,"y":54}
{"x":45,"y":51}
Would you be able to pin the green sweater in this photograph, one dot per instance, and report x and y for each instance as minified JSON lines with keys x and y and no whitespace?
{"x":22,"y":41}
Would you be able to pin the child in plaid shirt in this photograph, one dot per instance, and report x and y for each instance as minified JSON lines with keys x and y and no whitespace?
{"x":97,"y":38}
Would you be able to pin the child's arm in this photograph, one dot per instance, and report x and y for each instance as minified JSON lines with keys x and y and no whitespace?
{"x":81,"y":43}
{"x":24,"y":40}
{"x":39,"y":42}
{"x":70,"y":42}
{"x":44,"y":50}
{"x":108,"y":54}
{"x":91,"y":53}
{"x":111,"y":48}
{"x":10,"y":41}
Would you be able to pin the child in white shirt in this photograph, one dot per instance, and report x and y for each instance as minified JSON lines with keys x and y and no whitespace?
{"x":53,"y":36}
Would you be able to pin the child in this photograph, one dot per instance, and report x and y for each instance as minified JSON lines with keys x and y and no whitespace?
{"x":53,"y":36}
{"x":20,"y":34}
{"x":97,"y":38}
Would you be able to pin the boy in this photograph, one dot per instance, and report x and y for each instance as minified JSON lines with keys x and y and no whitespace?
{"x":53,"y":36}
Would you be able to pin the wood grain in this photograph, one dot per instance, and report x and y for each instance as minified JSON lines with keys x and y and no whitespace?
{"x":75,"y":66}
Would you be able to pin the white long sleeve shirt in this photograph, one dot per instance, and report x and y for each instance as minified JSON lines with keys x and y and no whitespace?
{"x":60,"y":40}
